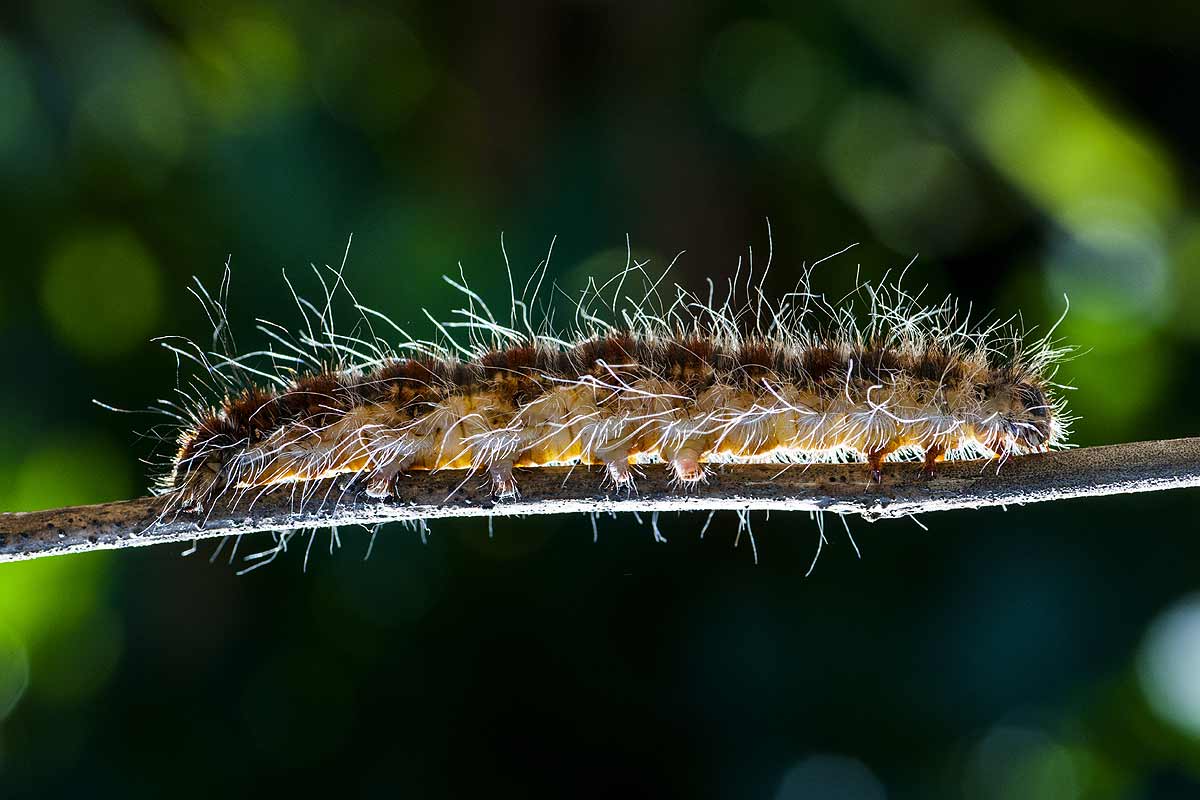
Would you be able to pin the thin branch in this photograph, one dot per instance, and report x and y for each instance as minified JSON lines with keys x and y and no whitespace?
{"x":838,"y":488}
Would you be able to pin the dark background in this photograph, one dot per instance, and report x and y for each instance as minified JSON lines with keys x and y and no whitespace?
{"x":1022,"y":150}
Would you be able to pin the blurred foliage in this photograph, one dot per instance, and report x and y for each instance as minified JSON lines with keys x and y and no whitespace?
{"x":1023,"y":150}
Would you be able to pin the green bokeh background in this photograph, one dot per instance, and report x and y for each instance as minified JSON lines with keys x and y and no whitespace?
{"x":1022,"y":150}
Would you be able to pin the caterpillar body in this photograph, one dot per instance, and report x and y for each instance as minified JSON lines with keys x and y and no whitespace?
{"x":686,"y":381}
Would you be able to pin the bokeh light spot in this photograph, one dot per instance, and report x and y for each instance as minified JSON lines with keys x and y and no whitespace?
{"x":14,"y":671}
{"x":1112,"y":269}
{"x":1169,"y":665}
{"x":372,"y":67}
{"x":49,"y":594}
{"x":1120,"y":380}
{"x":762,"y":78}
{"x":75,"y":662}
{"x":1046,"y":133}
{"x":830,"y":777}
{"x":16,"y":98}
{"x":133,"y":104}
{"x":70,"y":471}
{"x":101,"y":291}
{"x":246,"y":71}
{"x":887,"y":161}
{"x":1185,"y":263}
{"x":1016,"y":763}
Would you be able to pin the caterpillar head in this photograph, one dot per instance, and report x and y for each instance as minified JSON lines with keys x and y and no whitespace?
{"x":1018,"y":415}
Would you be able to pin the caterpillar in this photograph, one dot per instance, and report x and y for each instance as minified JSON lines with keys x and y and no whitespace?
{"x":675,"y":377}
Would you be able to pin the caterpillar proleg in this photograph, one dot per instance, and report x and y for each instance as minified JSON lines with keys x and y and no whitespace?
{"x":641,"y":374}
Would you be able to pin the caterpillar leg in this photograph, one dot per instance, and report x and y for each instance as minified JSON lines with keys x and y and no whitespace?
{"x":934,"y":454}
{"x":1000,"y":448}
{"x":619,"y":472}
{"x":504,"y":485}
{"x":381,"y":482}
{"x":687,"y":466}
{"x":875,"y":461}
{"x":195,"y":491}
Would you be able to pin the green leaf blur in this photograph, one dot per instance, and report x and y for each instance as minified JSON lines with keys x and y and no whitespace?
{"x":1019,"y":151}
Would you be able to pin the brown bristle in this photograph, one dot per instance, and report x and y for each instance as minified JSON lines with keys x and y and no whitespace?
{"x":613,"y":351}
{"x":936,"y":365}
{"x":516,"y":372}
{"x":252,"y":413}
{"x":755,"y":354}
{"x":404,"y":381}
{"x":512,"y":358}
{"x":314,"y":398}
{"x":212,"y":432}
{"x":877,"y":363}
{"x":820,"y":363}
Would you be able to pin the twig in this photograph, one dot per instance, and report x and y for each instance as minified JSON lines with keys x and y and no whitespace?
{"x":838,"y":488}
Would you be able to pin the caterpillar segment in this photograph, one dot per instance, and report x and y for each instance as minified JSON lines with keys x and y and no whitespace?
{"x":690,"y":386}
{"x":375,"y":427}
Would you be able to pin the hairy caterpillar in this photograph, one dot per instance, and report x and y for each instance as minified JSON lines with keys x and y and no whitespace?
{"x":688,"y":381}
